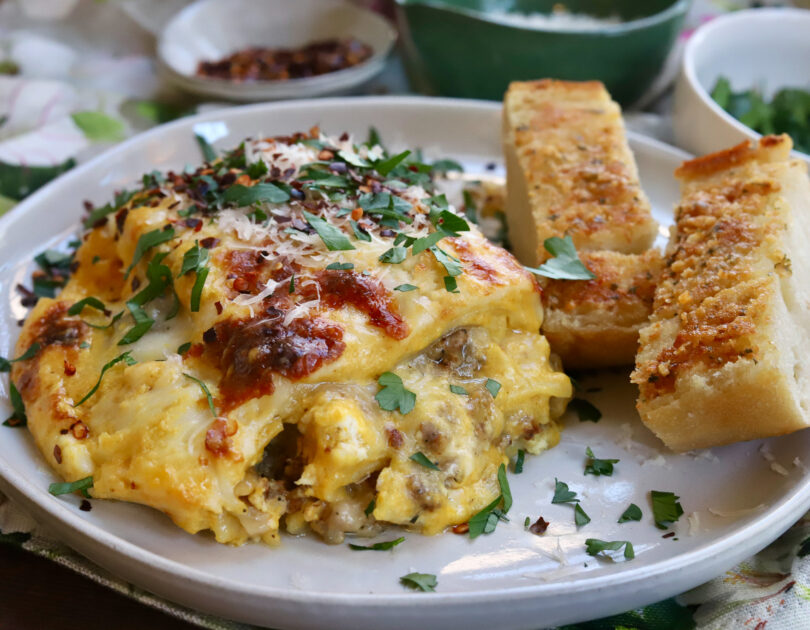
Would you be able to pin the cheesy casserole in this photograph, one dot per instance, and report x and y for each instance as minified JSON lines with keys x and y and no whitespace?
{"x":296,"y":334}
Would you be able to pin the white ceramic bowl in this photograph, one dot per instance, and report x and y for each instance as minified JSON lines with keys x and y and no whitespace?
{"x":766,"y":48}
{"x":213,"y":29}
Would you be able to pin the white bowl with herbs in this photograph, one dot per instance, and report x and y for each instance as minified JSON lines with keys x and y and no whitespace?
{"x":743,"y":75}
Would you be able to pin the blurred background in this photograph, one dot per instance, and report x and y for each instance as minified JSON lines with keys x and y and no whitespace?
{"x":78,"y":75}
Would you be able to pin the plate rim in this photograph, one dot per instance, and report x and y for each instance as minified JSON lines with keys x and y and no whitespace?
{"x":714,"y":556}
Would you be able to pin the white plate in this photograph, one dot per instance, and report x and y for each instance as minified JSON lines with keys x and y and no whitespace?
{"x":509,"y":579}
{"x":212,"y":29}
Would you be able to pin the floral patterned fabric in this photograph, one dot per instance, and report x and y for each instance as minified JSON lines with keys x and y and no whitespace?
{"x":77,"y":76}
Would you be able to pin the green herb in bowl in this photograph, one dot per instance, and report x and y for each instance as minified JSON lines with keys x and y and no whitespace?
{"x":787,"y":112}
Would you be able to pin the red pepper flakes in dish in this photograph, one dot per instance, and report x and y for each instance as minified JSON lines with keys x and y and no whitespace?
{"x":280,"y":64}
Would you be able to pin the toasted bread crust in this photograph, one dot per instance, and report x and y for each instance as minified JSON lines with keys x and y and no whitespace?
{"x":570,"y":172}
{"x":595,"y":323}
{"x":573,"y":162}
{"x":729,"y":310}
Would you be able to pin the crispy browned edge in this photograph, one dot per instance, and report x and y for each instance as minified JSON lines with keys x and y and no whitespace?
{"x":750,"y":399}
{"x":589,"y":346}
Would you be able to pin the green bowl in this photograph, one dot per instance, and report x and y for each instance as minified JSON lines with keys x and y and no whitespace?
{"x":454,"y":48}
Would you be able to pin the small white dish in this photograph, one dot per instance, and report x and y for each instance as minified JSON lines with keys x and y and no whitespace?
{"x":735,"y":502}
{"x":212,"y":29}
{"x":764,"y":48}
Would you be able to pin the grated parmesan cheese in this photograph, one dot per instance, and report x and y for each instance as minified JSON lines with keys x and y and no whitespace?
{"x":736,"y":513}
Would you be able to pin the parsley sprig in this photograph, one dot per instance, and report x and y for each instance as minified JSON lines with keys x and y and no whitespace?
{"x":393,"y":395}
{"x":485,"y":521}
{"x":380,"y":546}
{"x":596,"y":466}
{"x":5,"y":364}
{"x":594,"y":546}
{"x":125,"y":357}
{"x":666,"y":508}
{"x":565,"y":264}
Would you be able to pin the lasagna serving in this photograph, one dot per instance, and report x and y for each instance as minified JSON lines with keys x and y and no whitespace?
{"x":298,"y":334}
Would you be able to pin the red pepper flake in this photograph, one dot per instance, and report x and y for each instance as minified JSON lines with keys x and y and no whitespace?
{"x":79,"y":430}
{"x":539,"y":527}
{"x":210,"y":242}
{"x":70,"y":369}
{"x":461,"y":528}
{"x":85,"y":506}
{"x":57,"y":454}
{"x":357,"y":213}
{"x":218,"y":306}
{"x":668,"y":535}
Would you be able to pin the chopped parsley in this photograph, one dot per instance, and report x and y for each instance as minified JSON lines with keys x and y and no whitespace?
{"x":5,"y":364}
{"x":595,"y":466}
{"x":458,"y":389}
{"x":485,"y":521}
{"x":521,"y":454}
{"x":17,"y":417}
{"x":332,"y":237}
{"x":384,"y":167}
{"x":292,"y":284}
{"x":594,"y":546}
{"x":451,"y":264}
{"x":92,"y":302}
{"x":493,"y":387}
{"x":632,"y":513}
{"x":565,"y":264}
{"x":506,"y":492}
{"x":359,"y":233}
{"x":370,"y":507}
{"x":426,"y":582}
{"x":196,"y":290}
{"x":422,"y":459}
{"x":404,"y":288}
{"x":195,"y":259}
{"x":562,"y":494}
{"x":146,"y":242}
{"x":585,"y":410}
{"x":450,"y":284}
{"x":339,"y":266}
{"x":125,"y":357}
{"x":208,"y":152}
{"x":380,"y":546}
{"x":205,"y":391}
{"x":74,"y":486}
{"x":580,"y":518}
{"x":183,"y":348}
{"x":243,"y":196}
{"x":443,"y":166}
{"x":787,"y":112}
{"x":394,"y":256}
{"x":666,"y":508}
{"x":393,"y":394}
{"x":143,"y":323}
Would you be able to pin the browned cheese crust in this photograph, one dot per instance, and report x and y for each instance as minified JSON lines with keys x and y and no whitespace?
{"x":721,"y":360}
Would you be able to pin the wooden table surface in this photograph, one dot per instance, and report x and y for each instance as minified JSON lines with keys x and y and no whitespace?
{"x":37,"y":594}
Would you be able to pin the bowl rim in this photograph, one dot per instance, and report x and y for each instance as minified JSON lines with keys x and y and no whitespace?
{"x":677,"y":7}
{"x":707,"y":31}
{"x":330,"y":80}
